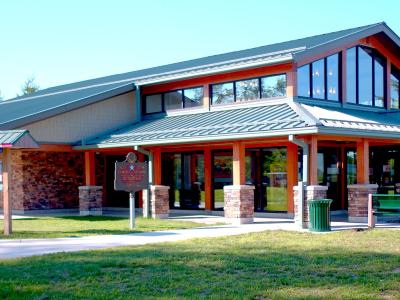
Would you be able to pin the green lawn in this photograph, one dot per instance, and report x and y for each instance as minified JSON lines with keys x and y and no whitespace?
{"x":51,"y":227}
{"x":267,"y":265}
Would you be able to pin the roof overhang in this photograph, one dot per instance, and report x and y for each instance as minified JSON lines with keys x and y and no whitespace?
{"x":345,"y":40}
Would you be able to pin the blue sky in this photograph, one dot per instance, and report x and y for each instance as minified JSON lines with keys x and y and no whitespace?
{"x":65,"y":41}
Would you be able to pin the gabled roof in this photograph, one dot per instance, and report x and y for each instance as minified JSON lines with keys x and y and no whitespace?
{"x":17,"y":139}
{"x":55,"y":100}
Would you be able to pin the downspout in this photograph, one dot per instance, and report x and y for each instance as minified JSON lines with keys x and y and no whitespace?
{"x":301,"y":184}
{"x":146,"y":204}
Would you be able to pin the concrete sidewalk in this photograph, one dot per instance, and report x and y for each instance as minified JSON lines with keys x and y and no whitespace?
{"x":31,"y":247}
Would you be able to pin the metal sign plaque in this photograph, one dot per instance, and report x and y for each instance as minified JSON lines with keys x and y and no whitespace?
{"x":131,"y":175}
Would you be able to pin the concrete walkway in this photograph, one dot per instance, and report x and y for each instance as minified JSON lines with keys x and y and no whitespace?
{"x":31,"y":247}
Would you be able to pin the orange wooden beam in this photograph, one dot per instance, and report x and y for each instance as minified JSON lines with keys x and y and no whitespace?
{"x":157,"y":166}
{"x":207,"y":178}
{"x":363,"y":162}
{"x":292,"y":174}
{"x":7,"y":205}
{"x":239,"y":155}
{"x":90,"y":175}
{"x":291,"y":82}
{"x":313,"y":161}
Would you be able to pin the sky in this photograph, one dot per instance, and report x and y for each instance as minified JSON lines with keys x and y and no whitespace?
{"x":59,"y":42}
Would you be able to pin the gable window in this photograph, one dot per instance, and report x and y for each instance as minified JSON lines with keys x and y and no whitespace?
{"x":320,"y":79}
{"x":365,"y":76}
{"x":249,"y":89}
{"x":332,"y":77}
{"x":303,"y":81}
{"x":178,"y":99}
{"x":394,"y":87}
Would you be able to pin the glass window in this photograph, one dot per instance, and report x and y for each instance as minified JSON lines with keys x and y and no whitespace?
{"x":332,"y":77}
{"x":247,"y":90}
{"x":222,"y":175}
{"x":153,"y":103}
{"x":273,"y":86}
{"x":222,"y":93}
{"x":351,"y":93}
{"x":193,"y":97}
{"x":318,"y":79}
{"x":394,"y":87}
{"x":379,"y":81}
{"x":364,"y":76}
{"x":303,"y":81}
{"x":173,"y":100}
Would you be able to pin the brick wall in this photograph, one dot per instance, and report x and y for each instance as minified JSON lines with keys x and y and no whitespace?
{"x":358,"y":201}
{"x":311,"y":192}
{"x":45,"y":180}
{"x":239,"y":203}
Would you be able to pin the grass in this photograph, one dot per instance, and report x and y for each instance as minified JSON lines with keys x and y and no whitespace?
{"x":266,"y":265}
{"x":52,"y":227}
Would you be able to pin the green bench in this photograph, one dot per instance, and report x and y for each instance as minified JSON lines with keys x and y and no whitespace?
{"x":382,"y":205}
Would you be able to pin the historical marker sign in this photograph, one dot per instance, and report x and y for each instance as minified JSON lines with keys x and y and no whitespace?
{"x":131,"y":175}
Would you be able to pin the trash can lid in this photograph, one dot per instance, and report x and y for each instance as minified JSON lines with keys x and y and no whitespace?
{"x":320,"y":200}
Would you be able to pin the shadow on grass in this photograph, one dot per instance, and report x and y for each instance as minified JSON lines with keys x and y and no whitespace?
{"x":258,"y":266}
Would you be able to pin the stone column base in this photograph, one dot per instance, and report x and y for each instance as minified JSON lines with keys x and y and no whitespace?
{"x":358,"y":201}
{"x":311,"y":192}
{"x":239,"y":203}
{"x":90,"y":200}
{"x":159,"y":201}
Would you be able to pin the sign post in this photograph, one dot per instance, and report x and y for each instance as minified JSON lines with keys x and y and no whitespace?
{"x":131,"y":176}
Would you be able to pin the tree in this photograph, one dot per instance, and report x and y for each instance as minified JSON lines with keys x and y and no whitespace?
{"x":29,"y":86}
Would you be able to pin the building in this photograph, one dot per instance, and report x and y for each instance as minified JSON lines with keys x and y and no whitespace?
{"x":234,"y":131}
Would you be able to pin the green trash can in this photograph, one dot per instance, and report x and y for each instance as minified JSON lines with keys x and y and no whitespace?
{"x":320,"y":215}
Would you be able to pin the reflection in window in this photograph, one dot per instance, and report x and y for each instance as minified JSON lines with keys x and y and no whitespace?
{"x":193,"y":97}
{"x":364,"y":76}
{"x":351,"y":93}
{"x":379,"y":81}
{"x":222,"y":93}
{"x":303,"y":81}
{"x":394,"y":87}
{"x":273,"y":86}
{"x":153,"y":103}
{"x":332,"y":77}
{"x":173,"y":100}
{"x":318,"y":81}
{"x":247,"y":90}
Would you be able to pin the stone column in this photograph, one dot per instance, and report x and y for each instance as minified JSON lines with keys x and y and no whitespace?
{"x":239,"y":203}
{"x":159,"y":201}
{"x":311,"y":192}
{"x":90,"y":200}
{"x":358,"y":201}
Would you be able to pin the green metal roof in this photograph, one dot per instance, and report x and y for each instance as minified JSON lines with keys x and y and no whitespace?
{"x":48,"y":102}
{"x":16,"y":139}
{"x":233,"y":123}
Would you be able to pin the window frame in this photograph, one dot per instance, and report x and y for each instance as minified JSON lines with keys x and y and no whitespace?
{"x":310,"y":79}
{"x":163,"y":110}
{"x":375,"y":53}
{"x":234,"y":82}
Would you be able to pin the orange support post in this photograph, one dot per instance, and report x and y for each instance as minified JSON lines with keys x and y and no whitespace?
{"x":90,"y":175}
{"x":157,"y":166}
{"x":7,"y":206}
{"x":314,"y":161}
{"x":292,"y":174}
{"x":363,"y":162}
{"x":239,"y":175}
{"x":208,"y":179}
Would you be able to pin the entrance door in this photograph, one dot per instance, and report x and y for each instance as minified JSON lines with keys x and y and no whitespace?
{"x":266,"y":169}
{"x":329,"y":174}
